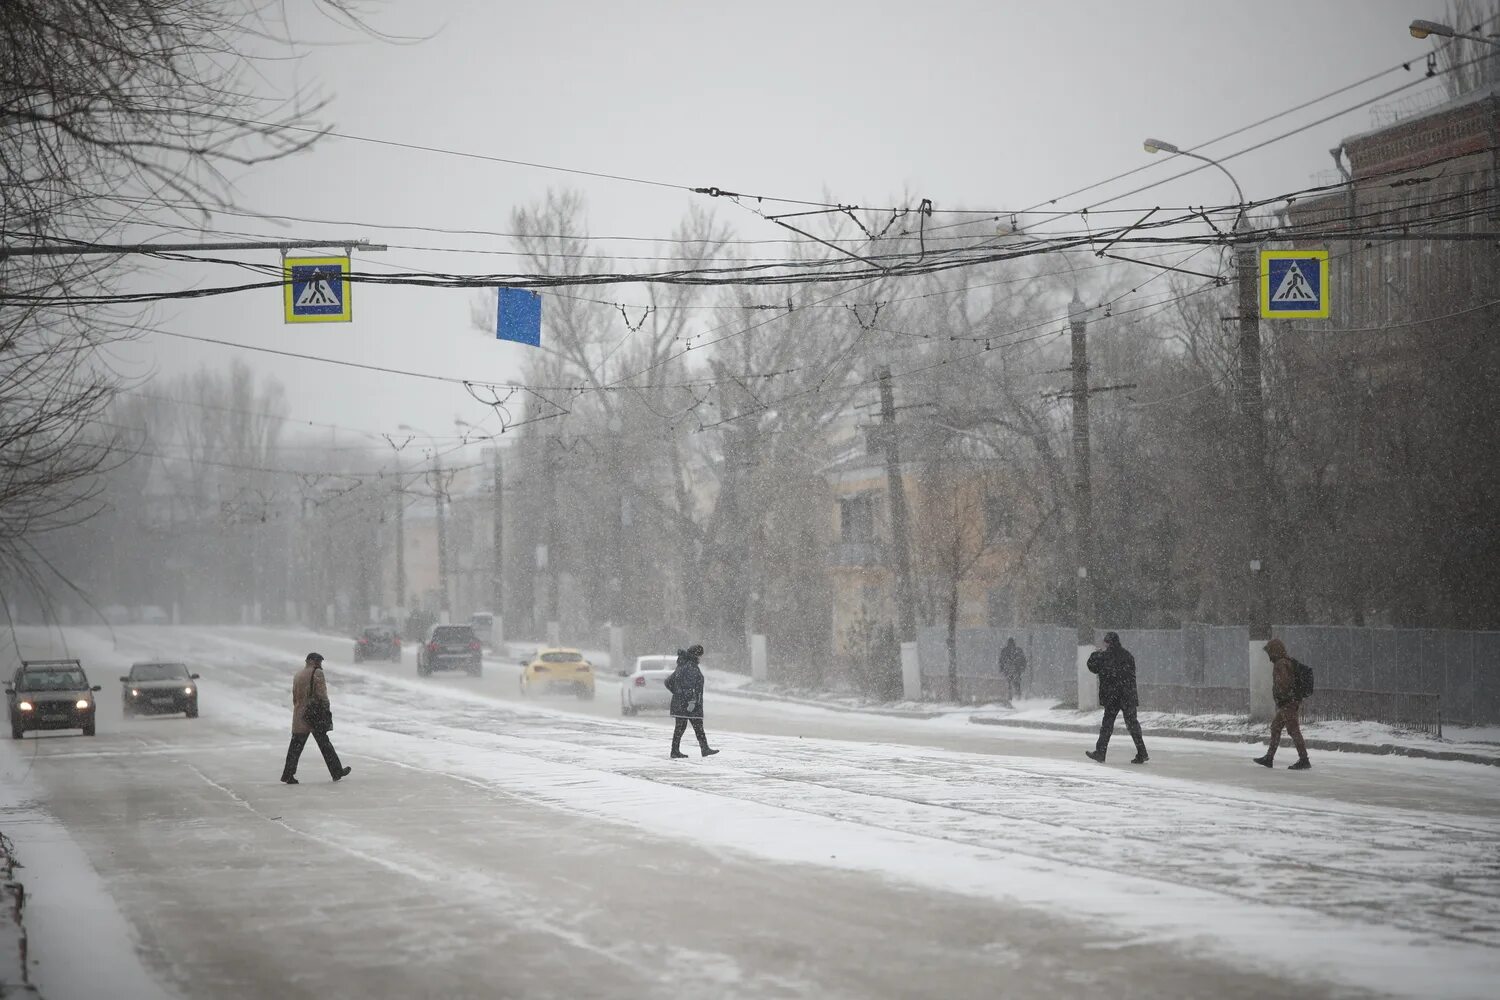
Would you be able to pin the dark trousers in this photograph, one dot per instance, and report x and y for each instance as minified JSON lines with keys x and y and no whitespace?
{"x":680,"y":726}
{"x":1107,"y":727}
{"x":330,"y":755}
{"x":1288,"y":717}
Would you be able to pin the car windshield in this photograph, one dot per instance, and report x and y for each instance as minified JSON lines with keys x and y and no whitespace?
{"x":453,"y":633}
{"x":481,"y":620}
{"x":377,"y":633}
{"x":157,"y":671}
{"x":53,"y":680}
{"x":562,"y":657}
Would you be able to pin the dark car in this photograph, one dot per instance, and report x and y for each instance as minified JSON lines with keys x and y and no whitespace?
{"x":450,"y":647}
{"x":152,"y":688}
{"x":378,"y":642}
{"x":50,"y":694}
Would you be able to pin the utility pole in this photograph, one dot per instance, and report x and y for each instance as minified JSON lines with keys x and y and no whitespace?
{"x":550,"y":464}
{"x":400,"y":542}
{"x":497,"y":568}
{"x":905,"y":606}
{"x":1253,"y":426}
{"x":1083,"y":497}
{"x":442,"y":533}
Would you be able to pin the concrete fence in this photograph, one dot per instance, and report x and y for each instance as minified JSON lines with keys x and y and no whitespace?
{"x":1412,"y":677}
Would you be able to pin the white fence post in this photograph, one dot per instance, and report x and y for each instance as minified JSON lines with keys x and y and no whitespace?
{"x":616,"y":648}
{"x":911,"y":672}
{"x":759,"y":669}
{"x":1258,"y":680}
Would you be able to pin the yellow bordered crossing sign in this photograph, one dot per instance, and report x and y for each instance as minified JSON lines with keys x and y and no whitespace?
{"x":1294,"y":284}
{"x":317,"y":289}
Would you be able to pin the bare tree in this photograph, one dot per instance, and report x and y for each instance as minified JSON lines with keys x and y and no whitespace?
{"x":106,"y":105}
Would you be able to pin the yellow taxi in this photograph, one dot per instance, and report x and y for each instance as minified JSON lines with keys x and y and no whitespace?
{"x":558,"y":669}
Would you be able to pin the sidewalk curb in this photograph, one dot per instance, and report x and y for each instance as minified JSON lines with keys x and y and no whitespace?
{"x":14,"y":977}
{"x":1379,"y":749}
{"x":894,"y":713}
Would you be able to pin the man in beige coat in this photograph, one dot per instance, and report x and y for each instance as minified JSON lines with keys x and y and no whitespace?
{"x":309,"y":683}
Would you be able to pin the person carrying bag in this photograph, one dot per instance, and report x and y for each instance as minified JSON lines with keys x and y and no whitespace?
{"x":312,"y":715}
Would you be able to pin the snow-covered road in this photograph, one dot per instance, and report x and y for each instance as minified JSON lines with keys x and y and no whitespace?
{"x":488,"y":846}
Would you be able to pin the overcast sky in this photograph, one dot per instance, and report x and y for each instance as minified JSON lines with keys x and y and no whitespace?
{"x":977,"y":104}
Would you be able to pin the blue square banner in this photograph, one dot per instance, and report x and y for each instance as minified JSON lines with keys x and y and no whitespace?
{"x":520,"y":317}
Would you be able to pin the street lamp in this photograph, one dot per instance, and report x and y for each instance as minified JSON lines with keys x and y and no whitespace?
{"x":1159,"y":146}
{"x":1422,"y":28}
{"x":1253,"y":430}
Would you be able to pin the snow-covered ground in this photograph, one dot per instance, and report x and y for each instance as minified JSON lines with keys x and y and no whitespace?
{"x":491,"y":846}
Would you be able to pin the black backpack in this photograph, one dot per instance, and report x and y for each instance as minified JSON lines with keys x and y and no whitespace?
{"x":1302,"y":680}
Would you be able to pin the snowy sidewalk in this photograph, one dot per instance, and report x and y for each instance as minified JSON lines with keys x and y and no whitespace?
{"x":1474,"y":745}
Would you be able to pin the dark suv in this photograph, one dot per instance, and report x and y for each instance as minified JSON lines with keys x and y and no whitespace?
{"x":378,"y":642}
{"x":450,"y":647}
{"x":159,"y":687}
{"x":50,"y":694}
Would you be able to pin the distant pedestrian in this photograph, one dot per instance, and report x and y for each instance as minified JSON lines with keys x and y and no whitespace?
{"x":1116,"y":669}
{"x":686,"y":685}
{"x":1012,"y":667}
{"x":311,"y":716}
{"x":1288,"y":695}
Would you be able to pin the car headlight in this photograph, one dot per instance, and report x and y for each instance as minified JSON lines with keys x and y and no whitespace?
{"x":81,"y":703}
{"x":187,"y":690}
{"x":25,"y":706}
{"x":134,"y":693}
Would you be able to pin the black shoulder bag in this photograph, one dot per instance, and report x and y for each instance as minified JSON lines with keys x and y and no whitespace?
{"x":316,"y":711}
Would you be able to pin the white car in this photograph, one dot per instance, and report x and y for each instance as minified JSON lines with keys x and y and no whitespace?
{"x":645,"y":686}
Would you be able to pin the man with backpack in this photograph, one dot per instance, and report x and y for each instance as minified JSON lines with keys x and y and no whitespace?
{"x":1290,"y":683}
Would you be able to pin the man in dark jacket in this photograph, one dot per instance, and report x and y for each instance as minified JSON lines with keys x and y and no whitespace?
{"x":686,"y":685}
{"x":1012,"y":667}
{"x":1288,"y":707}
{"x":1116,"y":669}
{"x":309,"y":686}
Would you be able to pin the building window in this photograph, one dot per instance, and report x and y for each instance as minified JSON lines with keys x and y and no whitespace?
{"x":996,"y":517}
{"x":857,"y":519}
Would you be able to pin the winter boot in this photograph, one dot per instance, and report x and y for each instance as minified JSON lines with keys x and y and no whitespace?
{"x":1265,"y":761}
{"x":676,"y":754}
{"x":1302,"y":765}
{"x":1097,"y":755}
{"x":289,"y":781}
{"x":1140,"y":758}
{"x":344,"y":773}
{"x":709,"y":751}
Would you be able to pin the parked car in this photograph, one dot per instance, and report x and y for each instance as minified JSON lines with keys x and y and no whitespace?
{"x":450,"y":647}
{"x":378,"y":642}
{"x":50,"y":694}
{"x":644,"y":686}
{"x":557,"y":669}
{"x":155,"y":687}
{"x":483,"y":624}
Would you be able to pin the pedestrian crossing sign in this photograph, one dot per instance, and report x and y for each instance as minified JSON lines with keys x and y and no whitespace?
{"x":317,"y":289}
{"x":1294,"y":284}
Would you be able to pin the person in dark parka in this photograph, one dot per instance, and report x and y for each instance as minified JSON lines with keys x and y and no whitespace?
{"x":1012,"y":667}
{"x":1116,"y":669}
{"x":686,"y":685}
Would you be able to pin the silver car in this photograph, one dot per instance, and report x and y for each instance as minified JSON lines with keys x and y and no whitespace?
{"x":645,"y":686}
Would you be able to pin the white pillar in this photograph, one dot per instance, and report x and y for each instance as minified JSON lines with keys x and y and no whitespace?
{"x":244,"y":614}
{"x":911,"y":672}
{"x":759,"y":667}
{"x":497,"y":633}
{"x":443,"y":617}
{"x":330,"y":615}
{"x":176,"y":613}
{"x":616,"y":648}
{"x":554,"y":634}
{"x":1088,"y":684}
{"x":1258,"y":680}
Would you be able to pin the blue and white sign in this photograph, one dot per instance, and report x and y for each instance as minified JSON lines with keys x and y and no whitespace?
{"x":316,"y":290}
{"x":1294,"y":284}
{"x":519,"y":317}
